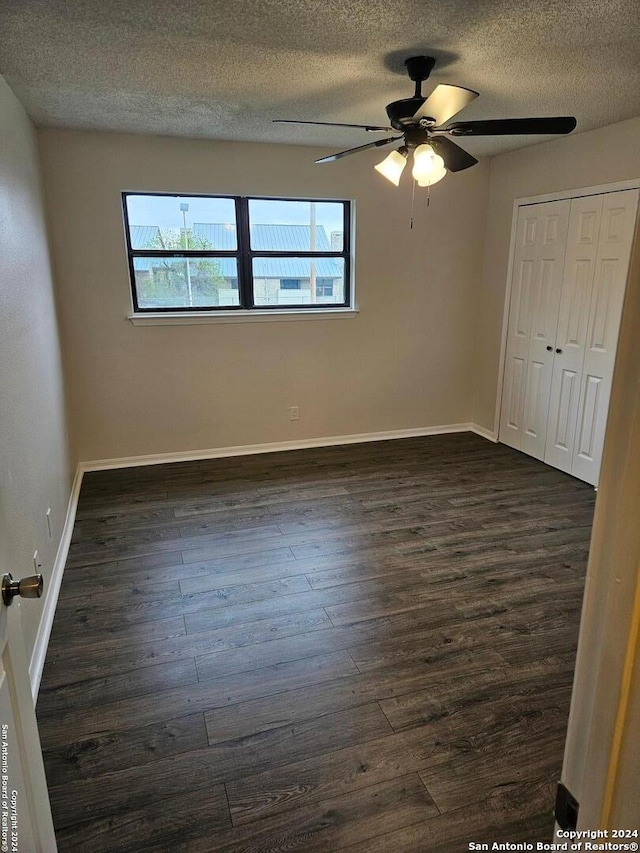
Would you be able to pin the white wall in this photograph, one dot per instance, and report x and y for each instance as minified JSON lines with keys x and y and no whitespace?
{"x":34,"y":461}
{"x":403,"y":362}
{"x":583,"y":159}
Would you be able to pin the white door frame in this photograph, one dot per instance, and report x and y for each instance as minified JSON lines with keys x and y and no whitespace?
{"x":605,"y":712}
{"x":618,"y":186}
{"x":26,"y":812}
{"x":602,"y":750}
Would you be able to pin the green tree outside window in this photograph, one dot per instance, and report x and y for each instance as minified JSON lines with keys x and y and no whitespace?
{"x":190,"y":281}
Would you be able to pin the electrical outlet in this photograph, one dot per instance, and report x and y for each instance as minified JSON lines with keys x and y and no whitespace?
{"x":37,"y":565}
{"x":294,"y":413}
{"x":49,"y":522}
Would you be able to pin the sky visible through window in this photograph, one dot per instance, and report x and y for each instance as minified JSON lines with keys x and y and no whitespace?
{"x":164,"y":212}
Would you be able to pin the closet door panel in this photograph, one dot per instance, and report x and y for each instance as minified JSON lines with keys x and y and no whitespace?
{"x":611,"y":270}
{"x":518,"y":331}
{"x":535,"y":294}
{"x":544,"y":321}
{"x":563,"y":415}
{"x":571,"y":337}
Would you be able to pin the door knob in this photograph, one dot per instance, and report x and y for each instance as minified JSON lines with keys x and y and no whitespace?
{"x":549,"y":349}
{"x":559,"y":351}
{"x":30,"y":587}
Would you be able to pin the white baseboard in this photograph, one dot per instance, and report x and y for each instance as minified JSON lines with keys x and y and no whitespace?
{"x":39,"y":653}
{"x":274,"y":447}
{"x":484,"y":432}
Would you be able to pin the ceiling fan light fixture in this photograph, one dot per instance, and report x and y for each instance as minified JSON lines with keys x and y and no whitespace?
{"x":424,"y":123}
{"x":428,"y":167}
{"x":393,"y":165}
{"x":432,"y":178}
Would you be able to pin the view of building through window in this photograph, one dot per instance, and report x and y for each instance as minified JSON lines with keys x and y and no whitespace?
{"x":191,"y":252}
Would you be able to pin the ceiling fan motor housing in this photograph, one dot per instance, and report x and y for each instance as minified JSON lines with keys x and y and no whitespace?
{"x":401,"y":113}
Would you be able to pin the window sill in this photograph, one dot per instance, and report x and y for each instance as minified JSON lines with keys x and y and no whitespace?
{"x":185,"y":318}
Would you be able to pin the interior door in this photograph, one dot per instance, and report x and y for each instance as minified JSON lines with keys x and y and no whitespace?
{"x":533,"y":319}
{"x":25,"y":814}
{"x":570,"y":345}
{"x":617,"y":232}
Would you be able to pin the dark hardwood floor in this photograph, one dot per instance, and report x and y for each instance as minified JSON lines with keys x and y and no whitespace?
{"x":366,"y":648}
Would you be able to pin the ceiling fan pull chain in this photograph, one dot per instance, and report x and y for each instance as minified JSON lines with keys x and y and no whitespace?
{"x":428,"y":195}
{"x":413,"y":201}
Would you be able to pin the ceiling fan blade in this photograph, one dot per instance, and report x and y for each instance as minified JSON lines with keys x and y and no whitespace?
{"x":332,"y":157}
{"x":372,"y":128}
{"x":444,"y":102}
{"x":505,"y":126}
{"x":455,"y":158}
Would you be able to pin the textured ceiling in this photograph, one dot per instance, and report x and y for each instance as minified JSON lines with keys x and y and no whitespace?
{"x":224,"y":68}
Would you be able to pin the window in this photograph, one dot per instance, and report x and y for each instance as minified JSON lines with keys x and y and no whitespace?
{"x":208,"y":253}
{"x":324,"y":287}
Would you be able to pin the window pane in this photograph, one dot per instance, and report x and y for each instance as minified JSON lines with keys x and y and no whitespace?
{"x":318,"y":281}
{"x":186,"y":282}
{"x":175,"y":223}
{"x":285,"y":226}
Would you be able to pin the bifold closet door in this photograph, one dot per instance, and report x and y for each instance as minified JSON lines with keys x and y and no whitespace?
{"x":533,"y":319}
{"x":570,"y":345}
{"x":569,"y":275}
{"x":617,"y":231}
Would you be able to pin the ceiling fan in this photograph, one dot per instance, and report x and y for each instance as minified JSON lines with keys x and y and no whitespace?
{"x":422,"y":125}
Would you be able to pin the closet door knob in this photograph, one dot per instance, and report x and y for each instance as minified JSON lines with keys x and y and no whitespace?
{"x":559,"y":351}
{"x":549,"y":349}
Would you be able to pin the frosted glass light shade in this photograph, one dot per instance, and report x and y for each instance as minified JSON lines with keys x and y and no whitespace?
{"x":392,"y":166}
{"x":428,"y":167}
{"x":433,"y":178}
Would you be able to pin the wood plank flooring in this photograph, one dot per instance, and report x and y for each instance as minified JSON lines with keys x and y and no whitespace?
{"x":366,"y":648}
